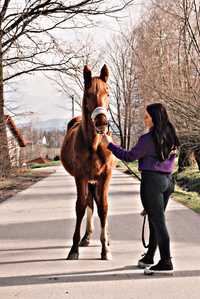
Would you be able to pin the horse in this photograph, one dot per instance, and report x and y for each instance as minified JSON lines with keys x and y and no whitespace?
{"x":88,"y":160}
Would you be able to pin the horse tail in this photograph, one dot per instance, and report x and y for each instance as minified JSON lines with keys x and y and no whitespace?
{"x":74,"y":121}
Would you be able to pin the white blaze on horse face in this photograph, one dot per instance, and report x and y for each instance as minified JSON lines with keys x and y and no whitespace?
{"x":90,"y":222}
{"x":102,"y":96}
{"x":103,"y":101}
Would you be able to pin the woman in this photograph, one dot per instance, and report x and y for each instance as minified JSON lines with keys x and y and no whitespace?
{"x":156,"y":151}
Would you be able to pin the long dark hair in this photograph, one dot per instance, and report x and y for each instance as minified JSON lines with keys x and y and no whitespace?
{"x":164,"y":134}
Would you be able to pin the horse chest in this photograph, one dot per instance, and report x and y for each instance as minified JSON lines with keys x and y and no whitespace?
{"x":96,"y":162}
{"x":93,"y":166}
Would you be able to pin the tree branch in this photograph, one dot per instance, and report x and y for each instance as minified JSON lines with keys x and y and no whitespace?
{"x":4,"y":9}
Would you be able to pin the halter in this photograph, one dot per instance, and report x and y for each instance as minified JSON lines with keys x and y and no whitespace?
{"x":99,"y":110}
{"x":96,"y":112}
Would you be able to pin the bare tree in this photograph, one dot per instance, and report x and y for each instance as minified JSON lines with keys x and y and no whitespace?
{"x":72,"y":86}
{"x":125,"y":98}
{"x":26,"y":36}
{"x":4,"y":153}
{"x":168,"y":65}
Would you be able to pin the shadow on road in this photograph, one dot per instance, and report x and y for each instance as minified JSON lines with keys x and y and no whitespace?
{"x":103,"y":275}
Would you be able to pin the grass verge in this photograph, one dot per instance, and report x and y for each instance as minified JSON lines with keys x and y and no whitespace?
{"x":48,"y":164}
{"x":21,"y":180}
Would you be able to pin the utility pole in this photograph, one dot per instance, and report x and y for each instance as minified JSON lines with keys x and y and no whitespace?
{"x":73,"y":109}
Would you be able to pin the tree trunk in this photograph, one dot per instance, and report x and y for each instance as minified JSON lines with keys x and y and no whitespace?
{"x":197,"y":157}
{"x":5,"y":165}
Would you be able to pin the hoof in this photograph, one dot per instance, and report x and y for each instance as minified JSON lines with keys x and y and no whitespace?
{"x":72,"y":256}
{"x":84,"y":243}
{"x":106,"y":256}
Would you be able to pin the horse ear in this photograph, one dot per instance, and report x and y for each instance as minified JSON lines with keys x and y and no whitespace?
{"x":104,"y":73}
{"x":87,"y":75}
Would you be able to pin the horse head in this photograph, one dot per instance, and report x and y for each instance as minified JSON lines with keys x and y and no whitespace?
{"x":96,"y":99}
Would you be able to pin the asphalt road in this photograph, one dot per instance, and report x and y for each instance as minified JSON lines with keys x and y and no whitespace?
{"x":36,"y":228}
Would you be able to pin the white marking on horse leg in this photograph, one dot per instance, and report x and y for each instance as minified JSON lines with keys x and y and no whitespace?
{"x":90,"y":222}
{"x":85,"y":241}
{"x":106,"y":253}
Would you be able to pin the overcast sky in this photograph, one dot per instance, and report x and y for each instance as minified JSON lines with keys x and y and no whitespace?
{"x":42,"y":96}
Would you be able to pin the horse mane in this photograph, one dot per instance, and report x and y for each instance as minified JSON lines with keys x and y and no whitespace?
{"x":73,"y":122}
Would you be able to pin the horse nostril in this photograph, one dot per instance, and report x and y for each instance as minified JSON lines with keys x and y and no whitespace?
{"x":101,"y":124}
{"x":102,"y":129}
{"x":101,"y":120}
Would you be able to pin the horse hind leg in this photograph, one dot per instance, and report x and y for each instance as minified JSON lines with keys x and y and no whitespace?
{"x":85,"y":241}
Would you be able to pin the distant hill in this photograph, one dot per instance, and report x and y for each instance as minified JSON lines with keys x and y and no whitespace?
{"x":48,"y":125}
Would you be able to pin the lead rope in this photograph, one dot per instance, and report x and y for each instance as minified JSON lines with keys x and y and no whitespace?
{"x":143,"y":230}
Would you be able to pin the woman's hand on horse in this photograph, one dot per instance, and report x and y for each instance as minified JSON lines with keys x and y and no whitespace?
{"x":106,"y":139}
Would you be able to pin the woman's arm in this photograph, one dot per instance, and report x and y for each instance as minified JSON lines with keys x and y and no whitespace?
{"x":136,"y":153}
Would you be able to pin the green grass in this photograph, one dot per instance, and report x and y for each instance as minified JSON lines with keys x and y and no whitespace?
{"x":189,"y":199}
{"x":189,"y":179}
{"x":132,"y":165}
{"x":38,"y":165}
{"x":187,"y":189}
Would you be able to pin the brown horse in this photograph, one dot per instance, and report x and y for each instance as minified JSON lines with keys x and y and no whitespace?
{"x":88,"y":160}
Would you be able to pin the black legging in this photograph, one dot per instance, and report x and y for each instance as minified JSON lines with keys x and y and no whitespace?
{"x":155,"y":192}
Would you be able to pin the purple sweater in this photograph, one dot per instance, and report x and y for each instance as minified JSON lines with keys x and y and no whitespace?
{"x":145,"y":152}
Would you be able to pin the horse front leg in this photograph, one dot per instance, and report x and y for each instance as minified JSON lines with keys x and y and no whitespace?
{"x":85,"y":241}
{"x":102,"y":205}
{"x":81,"y":204}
